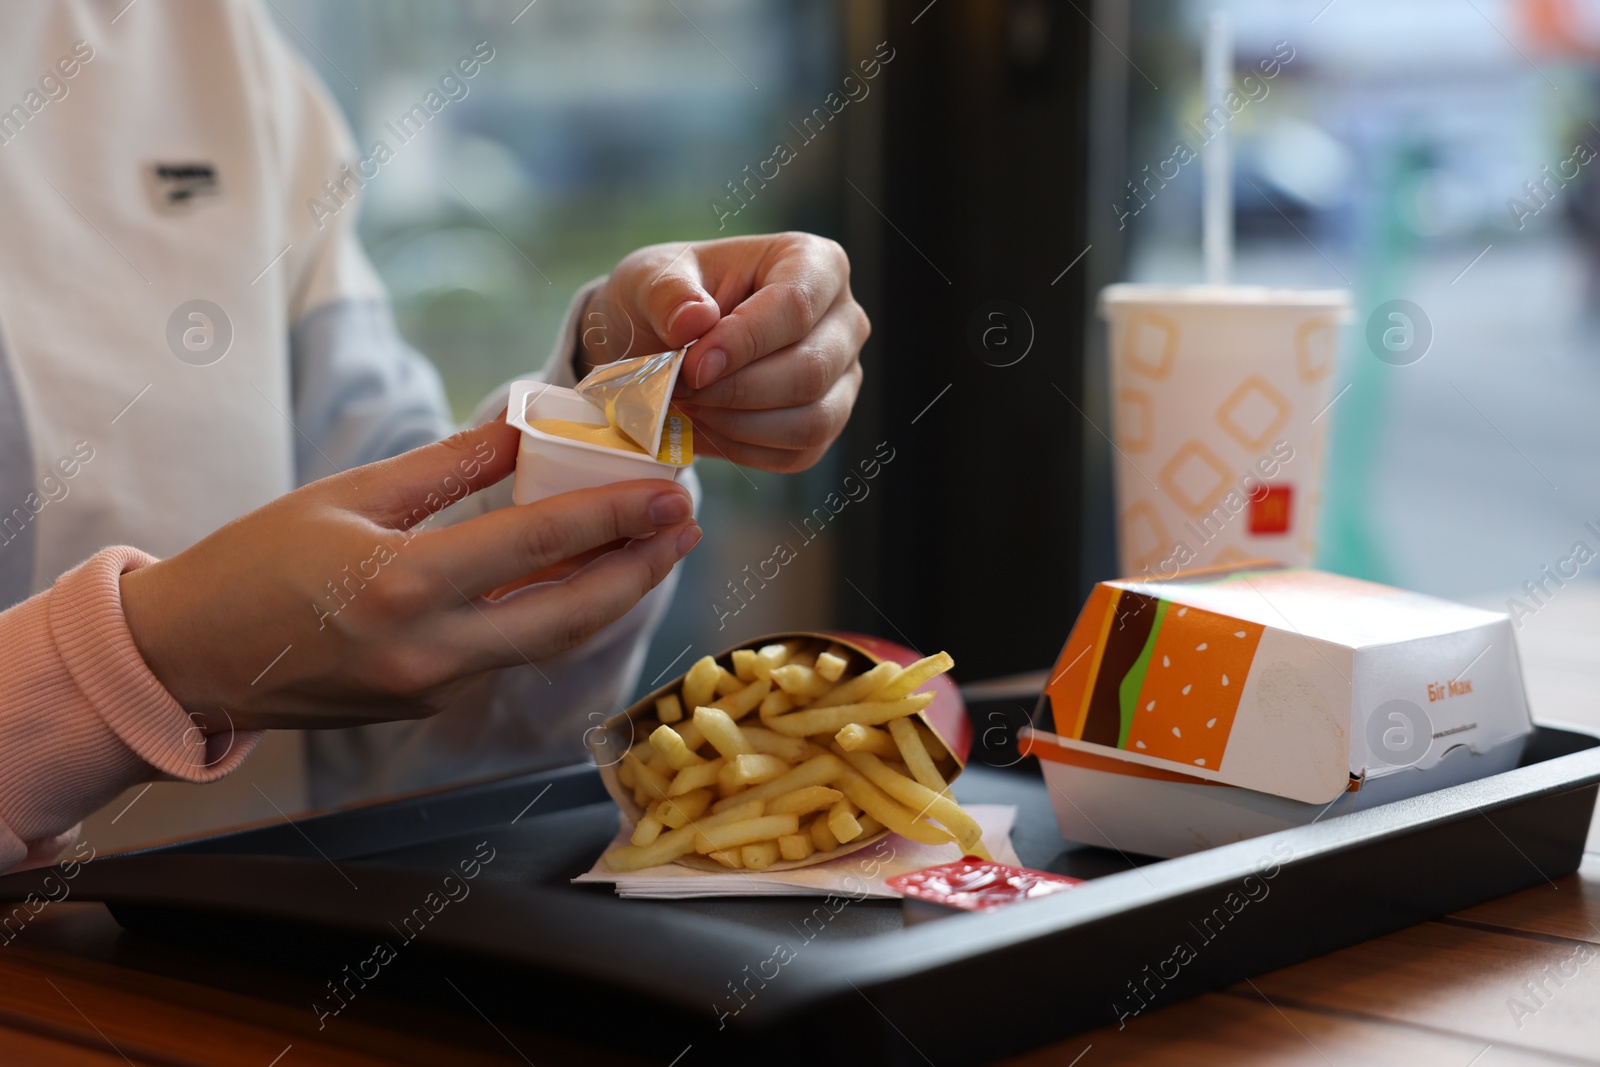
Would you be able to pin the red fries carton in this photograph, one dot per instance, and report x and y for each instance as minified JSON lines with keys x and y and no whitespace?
{"x":945,"y":717}
{"x":1234,"y":701}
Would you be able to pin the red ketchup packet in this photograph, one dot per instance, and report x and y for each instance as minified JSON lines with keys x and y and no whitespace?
{"x":972,"y":884}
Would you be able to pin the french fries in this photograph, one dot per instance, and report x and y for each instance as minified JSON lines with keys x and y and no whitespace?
{"x":768,"y":657}
{"x":922,"y":800}
{"x":720,"y":731}
{"x":746,"y":832}
{"x":745,"y":699}
{"x":669,"y":743}
{"x":836,"y":755}
{"x":775,"y":703}
{"x":831,"y":665}
{"x":789,"y":749}
{"x":647,"y":781}
{"x":676,"y":812}
{"x":795,"y":846}
{"x":755,"y":769}
{"x":697,"y":777}
{"x":727,"y":683}
{"x":674,"y":843}
{"x":647,"y":831}
{"x":761,"y":855}
{"x":872,"y":800}
{"x":913,"y":677}
{"x":859,"y":738}
{"x":911,"y":749}
{"x":832,"y":720}
{"x":700,"y":683}
{"x":744,"y":664}
{"x":802,"y":683}
{"x":842,"y":822}
{"x":858,"y":688}
{"x":818,"y":770}
{"x":804,"y":801}
{"x":821,"y":836}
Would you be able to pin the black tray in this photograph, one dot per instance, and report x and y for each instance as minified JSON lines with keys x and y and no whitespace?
{"x":657,"y":976}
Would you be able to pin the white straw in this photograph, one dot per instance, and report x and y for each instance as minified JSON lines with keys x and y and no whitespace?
{"x":1217,"y":155}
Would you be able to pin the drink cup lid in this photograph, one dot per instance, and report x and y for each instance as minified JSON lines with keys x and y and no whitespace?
{"x":1125,"y":294}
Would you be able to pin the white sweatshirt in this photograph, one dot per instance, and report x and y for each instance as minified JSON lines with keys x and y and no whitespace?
{"x":160,"y":154}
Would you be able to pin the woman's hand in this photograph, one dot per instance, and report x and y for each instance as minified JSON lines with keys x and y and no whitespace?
{"x":329,"y":608}
{"x":776,"y":364}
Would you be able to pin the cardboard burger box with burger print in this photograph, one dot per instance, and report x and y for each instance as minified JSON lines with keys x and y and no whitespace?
{"x":1229,"y":702}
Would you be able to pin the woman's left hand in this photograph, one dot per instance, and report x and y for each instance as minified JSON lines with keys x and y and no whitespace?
{"x":776,"y":366}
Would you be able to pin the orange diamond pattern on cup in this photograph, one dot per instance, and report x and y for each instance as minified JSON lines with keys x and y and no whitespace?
{"x":1134,"y":420}
{"x":1191,"y":687}
{"x":1150,"y":344}
{"x":1315,"y":348}
{"x":1254,"y":413}
{"x":1146,"y":534}
{"x":1231,"y":554}
{"x":1194,"y":478}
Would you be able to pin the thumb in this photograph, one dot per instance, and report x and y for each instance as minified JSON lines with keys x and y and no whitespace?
{"x":402,"y":491}
{"x":675,"y":302}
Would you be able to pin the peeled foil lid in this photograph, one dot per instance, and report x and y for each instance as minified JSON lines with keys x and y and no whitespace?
{"x":635,"y":394}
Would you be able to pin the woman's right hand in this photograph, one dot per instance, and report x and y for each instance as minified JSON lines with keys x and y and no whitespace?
{"x":326,"y":608}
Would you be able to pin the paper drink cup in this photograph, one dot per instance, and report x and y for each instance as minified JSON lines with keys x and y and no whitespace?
{"x":1220,"y":410}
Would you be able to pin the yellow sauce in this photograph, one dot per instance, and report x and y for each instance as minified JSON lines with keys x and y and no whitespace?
{"x":590,"y":433}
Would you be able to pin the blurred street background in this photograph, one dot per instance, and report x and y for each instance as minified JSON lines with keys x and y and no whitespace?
{"x":1392,"y":157}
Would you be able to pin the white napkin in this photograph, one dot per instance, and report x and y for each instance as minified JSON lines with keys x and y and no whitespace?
{"x":859,"y":875}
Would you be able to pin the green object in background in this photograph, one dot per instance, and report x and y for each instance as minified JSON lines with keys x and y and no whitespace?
{"x":1128,"y":691}
{"x":1348,"y":539}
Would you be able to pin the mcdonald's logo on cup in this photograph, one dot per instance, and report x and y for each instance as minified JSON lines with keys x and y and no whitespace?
{"x":1270,"y":513}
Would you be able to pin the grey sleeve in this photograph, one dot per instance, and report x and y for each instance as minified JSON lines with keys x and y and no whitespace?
{"x":361,"y":393}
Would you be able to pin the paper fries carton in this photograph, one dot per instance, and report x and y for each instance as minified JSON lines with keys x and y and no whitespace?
{"x":946,"y":717}
{"x":1233,"y":701}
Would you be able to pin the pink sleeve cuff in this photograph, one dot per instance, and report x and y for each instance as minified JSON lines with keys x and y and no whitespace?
{"x":81,"y":716}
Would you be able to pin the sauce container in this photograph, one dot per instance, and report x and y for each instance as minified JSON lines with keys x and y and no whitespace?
{"x":548,"y":465}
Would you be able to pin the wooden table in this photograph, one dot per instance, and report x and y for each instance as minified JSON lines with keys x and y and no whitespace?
{"x":1510,"y":983}
{"x":1450,"y":993}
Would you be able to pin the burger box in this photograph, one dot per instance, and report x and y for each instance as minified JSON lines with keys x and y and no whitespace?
{"x":1230,"y":702}
{"x":946,"y":716}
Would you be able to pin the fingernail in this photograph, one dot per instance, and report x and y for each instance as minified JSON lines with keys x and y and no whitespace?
{"x":712,"y":364}
{"x":688,"y":539}
{"x":676,"y":313}
{"x":669,"y":509}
